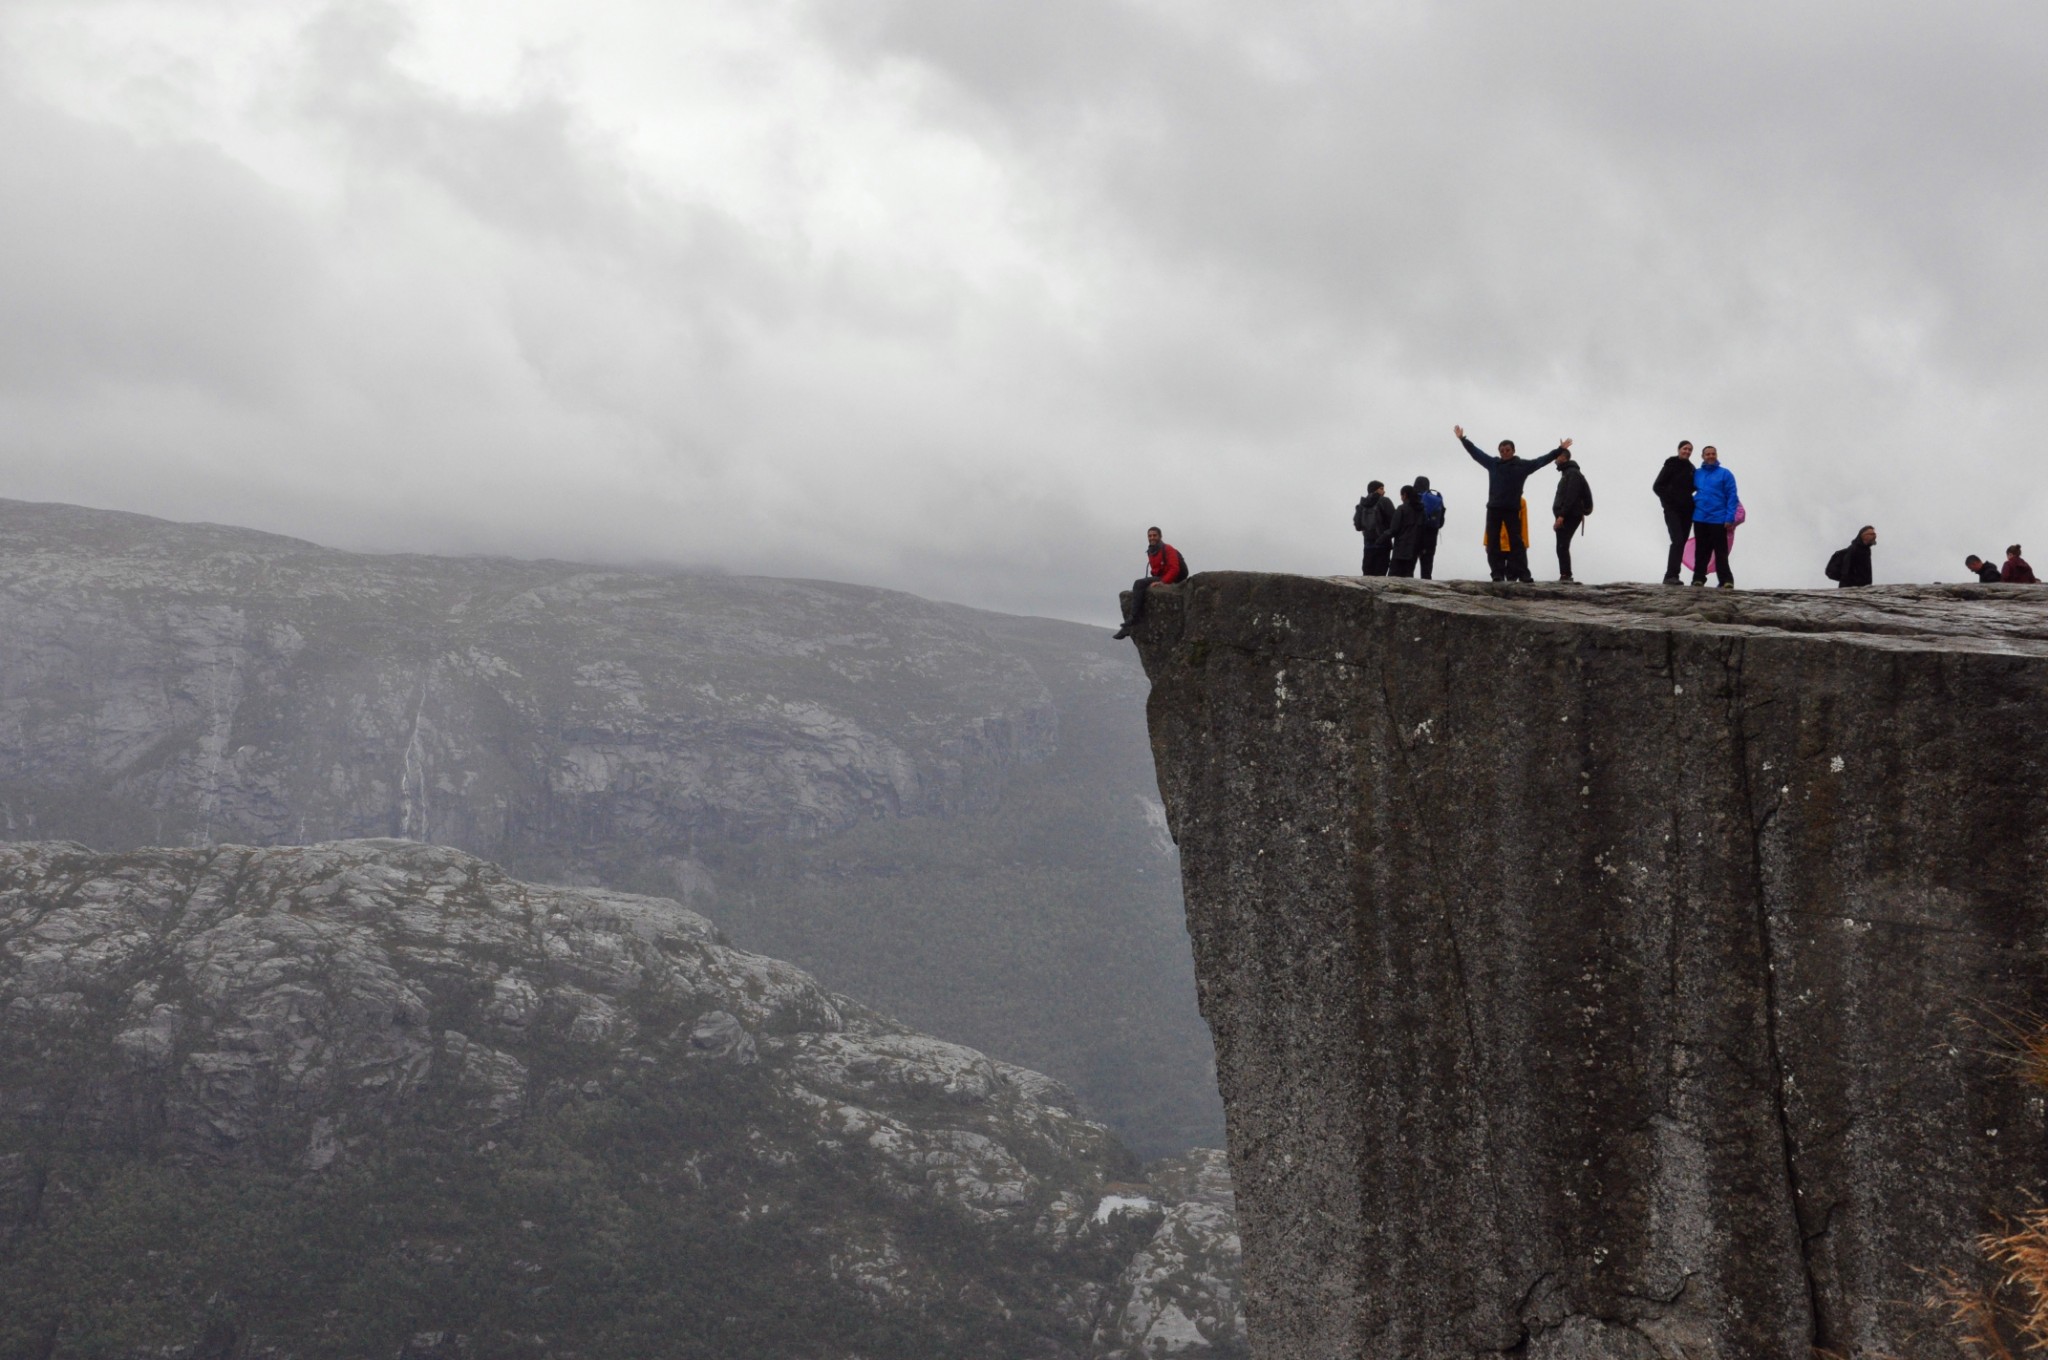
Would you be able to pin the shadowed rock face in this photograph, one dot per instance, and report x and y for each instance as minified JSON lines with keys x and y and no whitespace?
{"x":376,"y":1098}
{"x":1616,"y":974}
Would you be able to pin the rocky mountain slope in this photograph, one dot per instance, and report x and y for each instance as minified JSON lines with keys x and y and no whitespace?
{"x":1613,"y":974}
{"x":951,"y":814}
{"x":374,"y":1098}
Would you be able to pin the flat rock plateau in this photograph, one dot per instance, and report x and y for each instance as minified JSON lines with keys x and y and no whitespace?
{"x":1625,"y":973}
{"x":947,"y":813}
{"x":375,"y":1098}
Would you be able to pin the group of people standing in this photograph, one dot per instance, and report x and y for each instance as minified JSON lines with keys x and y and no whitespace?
{"x":1701,"y":506}
{"x":1400,"y":538}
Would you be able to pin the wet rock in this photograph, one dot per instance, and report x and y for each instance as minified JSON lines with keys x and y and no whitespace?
{"x":1611,"y":973}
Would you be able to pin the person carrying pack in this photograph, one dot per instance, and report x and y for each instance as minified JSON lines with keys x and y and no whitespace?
{"x":1164,"y":566}
{"x":1568,"y":510}
{"x":1374,"y":518}
{"x":1850,"y":566}
{"x":1433,"y":515}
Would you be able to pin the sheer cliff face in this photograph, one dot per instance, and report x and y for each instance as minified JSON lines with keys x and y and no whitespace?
{"x":1621,"y":973}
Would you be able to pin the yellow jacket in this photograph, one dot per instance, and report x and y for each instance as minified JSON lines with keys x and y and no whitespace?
{"x":1504,"y":529}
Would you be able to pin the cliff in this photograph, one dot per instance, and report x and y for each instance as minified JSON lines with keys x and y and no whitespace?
{"x":1622,"y":973}
{"x":947,"y":813}
{"x":372,"y":1098}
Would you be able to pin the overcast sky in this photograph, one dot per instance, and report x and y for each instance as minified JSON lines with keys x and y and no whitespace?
{"x":959,"y":295}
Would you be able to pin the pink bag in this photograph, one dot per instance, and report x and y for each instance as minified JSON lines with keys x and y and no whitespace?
{"x":1741,"y":514}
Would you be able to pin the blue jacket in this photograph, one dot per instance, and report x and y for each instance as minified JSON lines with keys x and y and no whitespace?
{"x":1713,"y":495}
{"x":1504,"y":476}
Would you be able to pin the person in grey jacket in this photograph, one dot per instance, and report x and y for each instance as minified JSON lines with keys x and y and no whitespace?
{"x":1568,"y":510}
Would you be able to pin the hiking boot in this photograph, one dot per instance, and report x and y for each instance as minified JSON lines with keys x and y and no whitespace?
{"x":1699,"y":580}
{"x":1673,"y":581}
{"x":1567,"y":581}
{"x":1121,"y":633}
{"x":1725,"y":585}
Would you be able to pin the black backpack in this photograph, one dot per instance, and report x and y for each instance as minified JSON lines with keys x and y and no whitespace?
{"x":1837,"y":564}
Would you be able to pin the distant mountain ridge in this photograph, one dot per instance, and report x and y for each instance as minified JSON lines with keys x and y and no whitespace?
{"x":947,"y":812}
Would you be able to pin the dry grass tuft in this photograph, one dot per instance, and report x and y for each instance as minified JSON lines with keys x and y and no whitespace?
{"x":2009,"y":1318}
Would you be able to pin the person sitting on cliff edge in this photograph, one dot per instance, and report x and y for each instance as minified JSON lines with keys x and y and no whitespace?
{"x":1504,"y":478}
{"x":1987,"y":575}
{"x":2016,"y":572}
{"x":1164,"y":566}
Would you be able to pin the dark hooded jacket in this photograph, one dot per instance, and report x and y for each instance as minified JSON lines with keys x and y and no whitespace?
{"x":1504,"y":476}
{"x":1856,"y":566}
{"x":1374,"y":518}
{"x":1988,"y":574}
{"x":1574,"y":498}
{"x":1409,"y":528}
{"x":1674,"y":484}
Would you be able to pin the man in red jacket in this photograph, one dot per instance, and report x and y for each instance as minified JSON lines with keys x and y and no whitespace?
{"x":1164,"y":566}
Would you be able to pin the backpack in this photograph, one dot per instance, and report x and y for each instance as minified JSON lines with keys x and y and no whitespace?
{"x":1432,"y":510}
{"x":1358,"y":515}
{"x":1837,"y":564}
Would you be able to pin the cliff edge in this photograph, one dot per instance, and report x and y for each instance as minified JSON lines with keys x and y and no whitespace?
{"x":1623,"y":973}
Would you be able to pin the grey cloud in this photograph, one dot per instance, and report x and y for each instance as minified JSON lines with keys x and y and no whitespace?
{"x":1245,"y":262}
{"x":127,"y":263}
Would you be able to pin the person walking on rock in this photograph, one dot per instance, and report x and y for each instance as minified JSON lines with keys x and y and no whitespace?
{"x":1714,"y":502}
{"x":1851,"y":566}
{"x":1408,"y":530}
{"x":2016,"y":571}
{"x":1164,"y":566}
{"x":1505,"y":476}
{"x":1568,"y":510}
{"x":1432,"y":525}
{"x":1987,"y":575}
{"x":1674,"y":492}
{"x":1374,"y":518}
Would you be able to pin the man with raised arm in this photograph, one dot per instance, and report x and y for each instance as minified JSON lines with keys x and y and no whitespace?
{"x":1504,"y":478}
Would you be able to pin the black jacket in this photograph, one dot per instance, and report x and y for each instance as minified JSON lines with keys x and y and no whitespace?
{"x":1674,"y":484}
{"x":1856,"y":567}
{"x":1408,"y":531}
{"x":1574,"y":499}
{"x":1989,"y":575}
{"x":1504,"y":476}
{"x":1374,"y":518}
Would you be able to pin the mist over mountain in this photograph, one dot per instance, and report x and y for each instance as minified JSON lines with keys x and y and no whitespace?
{"x":948,"y":813}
